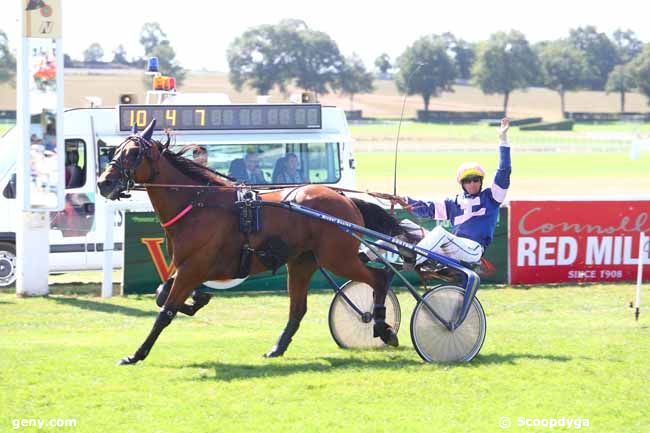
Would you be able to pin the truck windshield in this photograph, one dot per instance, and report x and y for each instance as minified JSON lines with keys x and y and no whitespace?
{"x":274,"y":163}
{"x":256,"y":164}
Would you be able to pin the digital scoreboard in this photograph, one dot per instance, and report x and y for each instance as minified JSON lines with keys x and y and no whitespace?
{"x":221,"y":117}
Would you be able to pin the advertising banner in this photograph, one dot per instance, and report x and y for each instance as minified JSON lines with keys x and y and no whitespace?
{"x":147,"y":264}
{"x":577,"y":241}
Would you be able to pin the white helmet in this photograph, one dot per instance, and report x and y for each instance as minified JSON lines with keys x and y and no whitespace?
{"x":469,"y":169}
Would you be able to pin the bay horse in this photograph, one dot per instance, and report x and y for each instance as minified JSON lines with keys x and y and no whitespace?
{"x":201,"y":221}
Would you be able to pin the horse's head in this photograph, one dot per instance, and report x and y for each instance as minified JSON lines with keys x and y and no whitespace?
{"x":134,"y":161}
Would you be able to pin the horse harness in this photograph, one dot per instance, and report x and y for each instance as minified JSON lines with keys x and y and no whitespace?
{"x":273,"y":252}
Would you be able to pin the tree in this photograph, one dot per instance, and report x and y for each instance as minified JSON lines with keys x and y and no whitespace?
{"x":7,"y":60}
{"x":627,"y":44}
{"x":505,"y":63}
{"x":354,"y":78}
{"x":167,"y":62}
{"x":426,"y":69}
{"x":600,"y":51}
{"x":261,"y":58}
{"x":119,"y":55}
{"x":67,"y":61}
{"x":151,"y":35}
{"x":461,"y":51}
{"x":564,"y":67}
{"x":94,"y":53}
{"x":268,"y":56}
{"x":383,"y":63}
{"x":318,"y":62}
{"x":155,"y":44}
{"x":464,"y":56}
{"x":621,"y":80}
{"x":641,"y":70}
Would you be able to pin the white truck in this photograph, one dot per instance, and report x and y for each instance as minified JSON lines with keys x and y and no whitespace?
{"x":228,"y":132}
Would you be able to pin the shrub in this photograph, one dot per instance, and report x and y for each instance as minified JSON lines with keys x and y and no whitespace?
{"x":564,"y":125}
{"x":518,"y":122}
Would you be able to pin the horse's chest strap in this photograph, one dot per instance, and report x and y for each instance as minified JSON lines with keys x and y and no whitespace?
{"x":180,"y":215}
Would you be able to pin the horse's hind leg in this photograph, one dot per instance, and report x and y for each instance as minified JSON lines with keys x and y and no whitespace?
{"x":181,"y":287}
{"x":381,"y":329}
{"x":300,"y":271}
{"x":353,"y":268}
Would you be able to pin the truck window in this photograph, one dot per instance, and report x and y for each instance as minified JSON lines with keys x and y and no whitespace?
{"x":291,"y":163}
{"x":9,"y":190}
{"x":105,"y":153}
{"x":75,"y":163}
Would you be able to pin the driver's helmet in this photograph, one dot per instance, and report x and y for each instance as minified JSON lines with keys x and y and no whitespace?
{"x":469,"y":169}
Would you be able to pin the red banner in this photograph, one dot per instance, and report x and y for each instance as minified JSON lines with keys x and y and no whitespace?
{"x":573,"y":241}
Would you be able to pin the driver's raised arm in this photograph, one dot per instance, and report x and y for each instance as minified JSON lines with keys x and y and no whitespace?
{"x":502,"y":175}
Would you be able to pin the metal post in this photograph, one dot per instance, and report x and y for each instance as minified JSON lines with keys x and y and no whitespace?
{"x":109,"y":228}
{"x":639,"y":274}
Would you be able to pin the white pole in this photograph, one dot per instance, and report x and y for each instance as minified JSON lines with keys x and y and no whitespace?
{"x":32,"y":234}
{"x":107,"y":283}
{"x":639,"y":275}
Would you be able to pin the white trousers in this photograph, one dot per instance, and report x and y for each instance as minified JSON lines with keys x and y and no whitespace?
{"x":442,"y":242}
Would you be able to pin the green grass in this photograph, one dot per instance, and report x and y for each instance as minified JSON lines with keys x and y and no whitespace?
{"x":594,"y":174}
{"x":550,"y":353}
{"x":483,"y":133}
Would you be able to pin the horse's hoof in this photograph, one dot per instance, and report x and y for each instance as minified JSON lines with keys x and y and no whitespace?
{"x":275,"y":353}
{"x":386,"y":333}
{"x":390,"y":338}
{"x":129,"y":360}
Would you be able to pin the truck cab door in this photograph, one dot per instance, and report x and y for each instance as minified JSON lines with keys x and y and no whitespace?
{"x":71,"y":228}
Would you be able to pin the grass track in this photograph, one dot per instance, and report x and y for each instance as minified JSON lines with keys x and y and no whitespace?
{"x":550,"y":352}
{"x":606,"y":174}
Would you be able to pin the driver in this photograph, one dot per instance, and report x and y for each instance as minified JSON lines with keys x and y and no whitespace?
{"x":472,"y":213}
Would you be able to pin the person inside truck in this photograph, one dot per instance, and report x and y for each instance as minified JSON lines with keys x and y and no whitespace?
{"x":200,"y":155}
{"x":286,"y":170}
{"x":74,"y":176}
{"x":247,"y":170}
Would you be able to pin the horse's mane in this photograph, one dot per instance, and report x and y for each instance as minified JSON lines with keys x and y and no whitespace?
{"x":190,"y":168}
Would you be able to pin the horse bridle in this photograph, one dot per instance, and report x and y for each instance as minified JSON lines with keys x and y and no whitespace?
{"x":126,"y":181}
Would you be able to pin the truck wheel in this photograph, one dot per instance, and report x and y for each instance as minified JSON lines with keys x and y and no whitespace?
{"x":7,"y":264}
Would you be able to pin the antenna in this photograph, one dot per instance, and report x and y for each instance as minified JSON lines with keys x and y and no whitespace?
{"x":399,"y":126}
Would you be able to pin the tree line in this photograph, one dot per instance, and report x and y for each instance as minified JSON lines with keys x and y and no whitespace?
{"x":274,"y":56}
{"x":268,"y":57}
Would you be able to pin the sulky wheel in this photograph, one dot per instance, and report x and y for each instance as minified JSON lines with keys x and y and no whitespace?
{"x":351,"y":330}
{"x":433,"y":341}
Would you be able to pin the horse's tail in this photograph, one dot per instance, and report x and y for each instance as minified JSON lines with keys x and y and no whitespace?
{"x":377,"y":219}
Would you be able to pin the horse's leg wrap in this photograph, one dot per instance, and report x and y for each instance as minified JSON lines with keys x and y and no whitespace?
{"x":163,"y":319}
{"x":382,"y":329}
{"x":163,"y":292}
{"x":379,"y":314}
{"x":200,"y":301}
{"x":285,"y":339}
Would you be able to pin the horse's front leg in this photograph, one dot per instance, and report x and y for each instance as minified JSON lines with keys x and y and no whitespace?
{"x":299,"y":273}
{"x":181,"y":287}
{"x":199,"y":299}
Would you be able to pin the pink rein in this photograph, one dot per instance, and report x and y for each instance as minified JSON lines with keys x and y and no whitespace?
{"x":177,"y":217}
